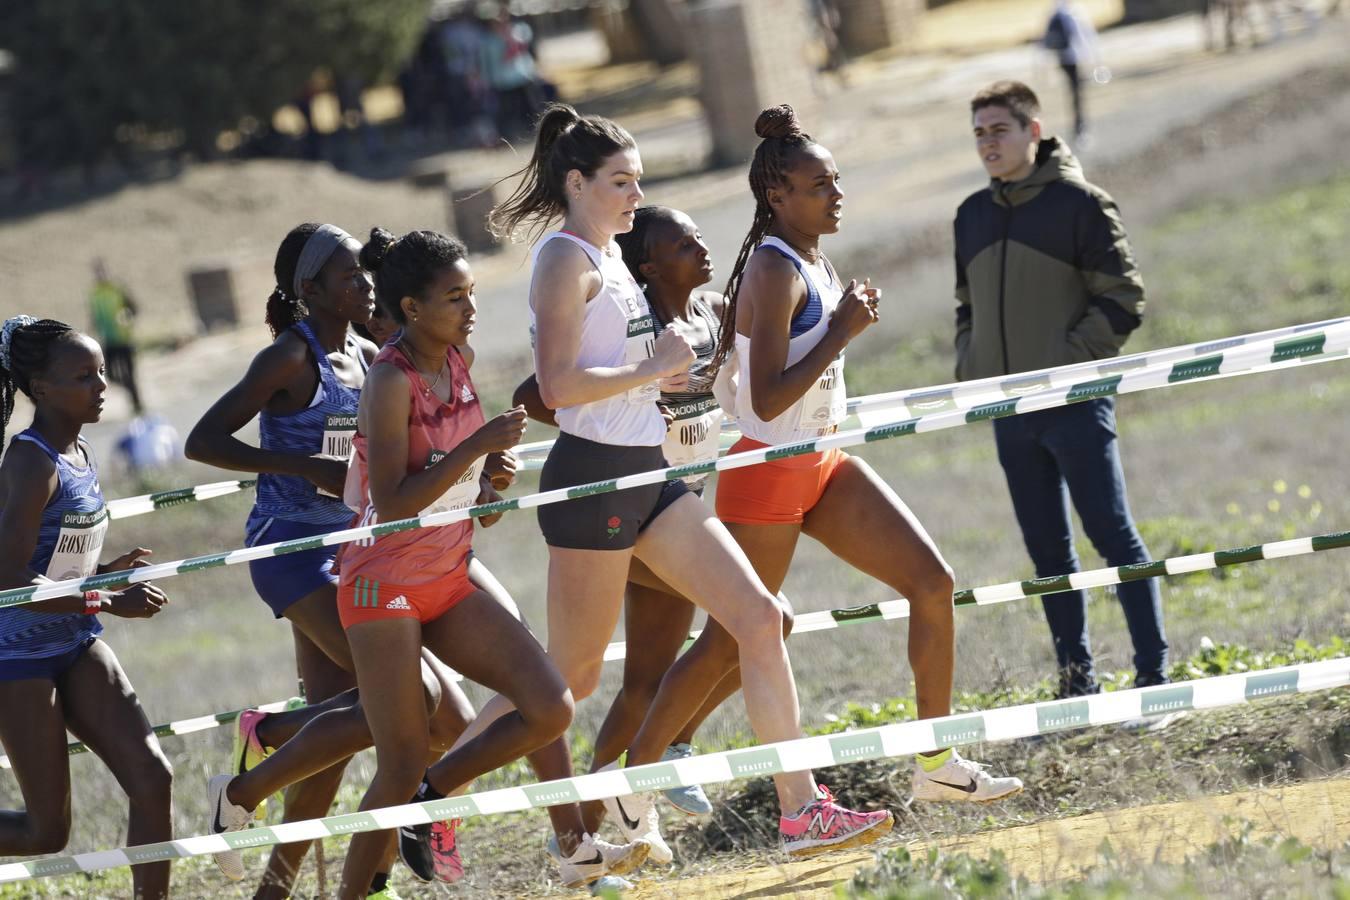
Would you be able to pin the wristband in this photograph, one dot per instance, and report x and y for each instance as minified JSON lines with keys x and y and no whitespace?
{"x":93,"y":602}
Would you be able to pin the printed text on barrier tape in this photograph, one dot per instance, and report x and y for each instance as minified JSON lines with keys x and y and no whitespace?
{"x":1314,"y":347}
{"x":887,"y":741}
{"x":967,"y":394}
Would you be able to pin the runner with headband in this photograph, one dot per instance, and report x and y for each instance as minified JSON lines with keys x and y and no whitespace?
{"x":789,"y":318}
{"x":602,"y":367}
{"x":55,"y":673}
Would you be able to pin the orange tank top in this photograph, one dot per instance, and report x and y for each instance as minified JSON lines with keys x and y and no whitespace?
{"x":434,"y":429}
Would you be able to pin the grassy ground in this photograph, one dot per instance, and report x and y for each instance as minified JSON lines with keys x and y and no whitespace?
{"x":1239,"y":866}
{"x":1216,"y":269}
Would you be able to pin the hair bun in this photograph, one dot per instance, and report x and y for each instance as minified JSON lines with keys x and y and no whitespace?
{"x":777,"y":122}
{"x":376,"y":249}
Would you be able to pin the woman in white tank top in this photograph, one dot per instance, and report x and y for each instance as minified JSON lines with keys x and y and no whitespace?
{"x":790,"y":318}
{"x":598,"y":368}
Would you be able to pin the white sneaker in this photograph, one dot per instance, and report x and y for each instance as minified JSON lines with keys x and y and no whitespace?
{"x":226,"y":817}
{"x":637,"y":819}
{"x":594,"y":859}
{"x":1151,"y":724}
{"x":962,"y":781}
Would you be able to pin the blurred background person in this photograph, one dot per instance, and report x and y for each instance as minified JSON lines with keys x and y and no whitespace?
{"x":112,"y":310}
{"x":1070,"y":36}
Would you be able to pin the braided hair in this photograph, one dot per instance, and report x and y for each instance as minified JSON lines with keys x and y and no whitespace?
{"x":27,"y":354}
{"x":566,"y":140}
{"x":284,"y":309}
{"x":406,"y":266}
{"x":782,"y":139}
{"x":635,"y":245}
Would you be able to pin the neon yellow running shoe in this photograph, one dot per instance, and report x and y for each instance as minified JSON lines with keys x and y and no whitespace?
{"x":248,"y":748}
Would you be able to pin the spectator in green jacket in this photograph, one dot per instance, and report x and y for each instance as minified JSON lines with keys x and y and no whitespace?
{"x":112,"y":310}
{"x":1045,"y":277}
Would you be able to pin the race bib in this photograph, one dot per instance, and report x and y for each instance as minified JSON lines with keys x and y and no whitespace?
{"x":78,"y":545}
{"x":463,"y":493}
{"x":695,"y":434}
{"x":639,"y":346}
{"x":338,"y":431}
{"x":826,"y":403}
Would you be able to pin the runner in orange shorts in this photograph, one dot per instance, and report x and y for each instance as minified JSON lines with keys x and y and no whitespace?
{"x":790,"y":317}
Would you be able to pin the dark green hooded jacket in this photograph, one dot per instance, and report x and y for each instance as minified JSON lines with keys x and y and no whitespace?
{"x":1044,"y":272}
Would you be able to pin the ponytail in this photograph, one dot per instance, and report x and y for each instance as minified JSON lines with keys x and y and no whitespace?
{"x":565,"y":140}
{"x":284,"y":309}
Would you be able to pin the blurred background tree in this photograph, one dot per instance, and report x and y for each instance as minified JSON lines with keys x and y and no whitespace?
{"x":94,"y":78}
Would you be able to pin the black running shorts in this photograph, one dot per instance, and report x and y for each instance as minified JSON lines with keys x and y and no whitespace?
{"x":609,"y":521}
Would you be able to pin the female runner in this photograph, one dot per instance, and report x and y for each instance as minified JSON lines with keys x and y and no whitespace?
{"x":601,"y":366}
{"x":55,"y":673}
{"x":789,"y":317}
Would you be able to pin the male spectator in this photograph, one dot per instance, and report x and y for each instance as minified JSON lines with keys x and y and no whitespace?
{"x":112,"y":310}
{"x":1073,"y":40}
{"x":1045,"y":277}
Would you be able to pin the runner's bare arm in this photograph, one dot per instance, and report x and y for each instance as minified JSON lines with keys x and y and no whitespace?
{"x":271,"y":377}
{"x":564,"y":281}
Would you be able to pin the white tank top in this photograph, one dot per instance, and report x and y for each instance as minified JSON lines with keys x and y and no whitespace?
{"x":824,"y":405}
{"x":617,"y":329}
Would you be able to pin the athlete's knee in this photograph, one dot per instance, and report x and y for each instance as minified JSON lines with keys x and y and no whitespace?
{"x":756,"y":622}
{"x":935,"y":586}
{"x":550,"y":716}
{"x":583,"y":680}
{"x":404,"y":767}
{"x":46,"y":834}
{"x":150,"y":787}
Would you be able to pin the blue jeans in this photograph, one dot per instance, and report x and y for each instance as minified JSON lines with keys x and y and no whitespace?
{"x":1048,"y":457}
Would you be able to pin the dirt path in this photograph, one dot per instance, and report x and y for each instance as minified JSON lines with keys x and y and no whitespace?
{"x":1317,"y":813}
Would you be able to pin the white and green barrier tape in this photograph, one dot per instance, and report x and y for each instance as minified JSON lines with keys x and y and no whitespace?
{"x":135,"y":506}
{"x":886,"y":742}
{"x":873,"y":409}
{"x":989,"y":595}
{"x":827,"y":619}
{"x":1311,"y":347}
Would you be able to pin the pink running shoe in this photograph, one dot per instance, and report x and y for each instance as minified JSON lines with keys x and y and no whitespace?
{"x":823,"y":825}
{"x":445,"y":851}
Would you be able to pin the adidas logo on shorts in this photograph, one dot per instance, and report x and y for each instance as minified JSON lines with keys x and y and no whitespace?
{"x":399,"y":602}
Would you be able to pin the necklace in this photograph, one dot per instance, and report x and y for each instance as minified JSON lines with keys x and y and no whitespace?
{"x":426,"y":388}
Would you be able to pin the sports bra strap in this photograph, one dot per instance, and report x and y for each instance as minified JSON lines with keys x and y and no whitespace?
{"x":810,"y":314}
